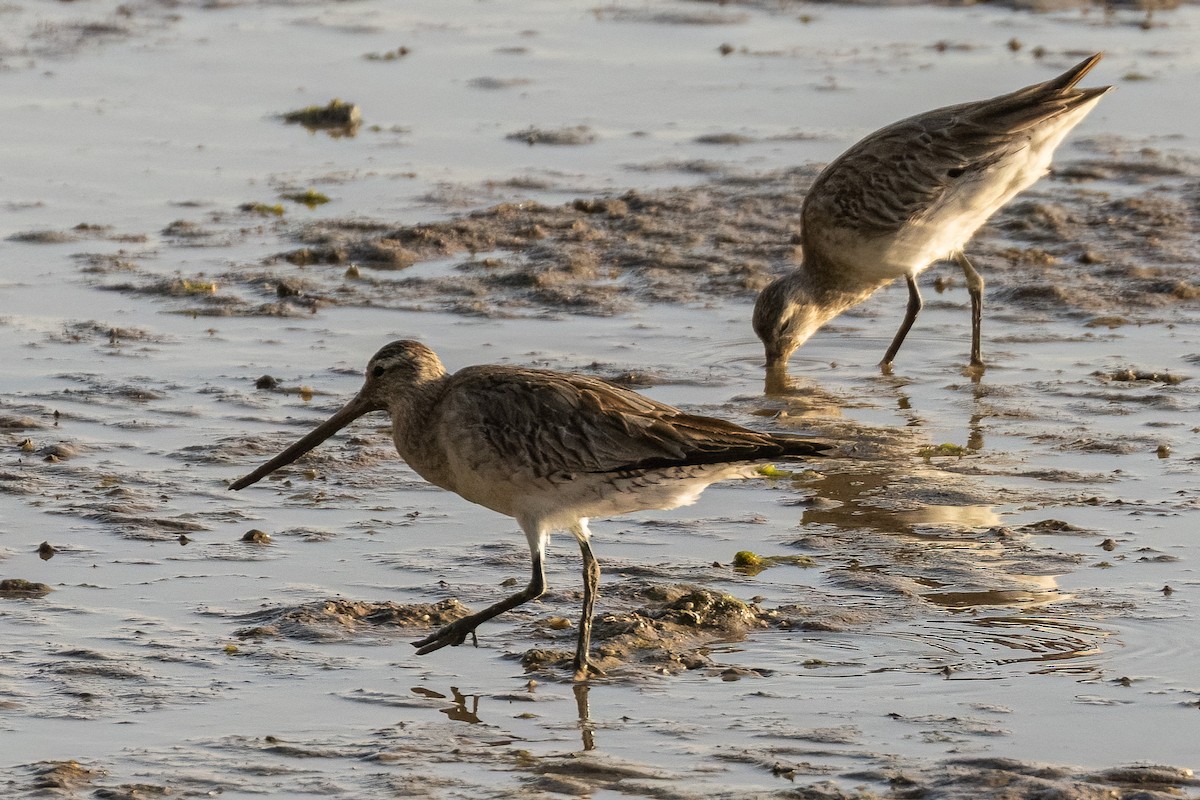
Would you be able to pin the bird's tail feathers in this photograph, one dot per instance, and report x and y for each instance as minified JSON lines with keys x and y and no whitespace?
{"x":797,"y":447}
{"x":1074,"y":75}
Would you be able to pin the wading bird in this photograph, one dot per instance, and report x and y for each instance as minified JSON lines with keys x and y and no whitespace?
{"x":550,"y":449}
{"x":910,"y":194}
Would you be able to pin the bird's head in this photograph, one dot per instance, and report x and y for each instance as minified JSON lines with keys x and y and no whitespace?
{"x":785,"y":316}
{"x":398,"y":370}
{"x":394,"y":375}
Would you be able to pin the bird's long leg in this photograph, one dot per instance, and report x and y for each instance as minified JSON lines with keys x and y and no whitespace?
{"x":910,"y":316}
{"x":975,"y":288}
{"x":456,"y":632}
{"x":591,"y":587}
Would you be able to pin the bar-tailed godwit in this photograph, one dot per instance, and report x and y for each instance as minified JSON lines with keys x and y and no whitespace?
{"x":550,"y":449}
{"x":911,"y":194}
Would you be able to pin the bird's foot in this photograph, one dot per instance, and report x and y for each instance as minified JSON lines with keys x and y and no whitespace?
{"x":451,"y":635}
{"x":975,"y":369}
{"x":584,"y":669}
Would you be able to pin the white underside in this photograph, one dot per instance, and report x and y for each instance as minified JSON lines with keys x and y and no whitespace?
{"x":559,"y":505}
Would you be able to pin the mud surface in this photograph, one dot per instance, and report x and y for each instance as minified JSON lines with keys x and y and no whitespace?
{"x":987,"y":592}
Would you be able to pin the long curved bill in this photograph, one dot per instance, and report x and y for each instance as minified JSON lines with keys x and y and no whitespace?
{"x":348,"y":413}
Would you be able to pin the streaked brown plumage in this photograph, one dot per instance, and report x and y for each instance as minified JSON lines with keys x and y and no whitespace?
{"x":910,"y":194}
{"x":550,"y":449}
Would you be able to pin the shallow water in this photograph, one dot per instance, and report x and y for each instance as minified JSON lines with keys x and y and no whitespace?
{"x":1006,"y":603}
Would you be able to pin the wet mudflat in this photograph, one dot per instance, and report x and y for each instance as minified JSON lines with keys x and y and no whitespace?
{"x":989,"y":592}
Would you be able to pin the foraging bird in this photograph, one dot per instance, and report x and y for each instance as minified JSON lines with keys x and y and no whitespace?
{"x":547,"y":448}
{"x":910,"y":194}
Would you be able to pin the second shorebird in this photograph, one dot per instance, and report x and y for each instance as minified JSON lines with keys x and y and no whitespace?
{"x":548,"y":448}
{"x":910,"y":194}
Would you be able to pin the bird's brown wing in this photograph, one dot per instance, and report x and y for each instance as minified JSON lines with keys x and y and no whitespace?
{"x":553,"y":423}
{"x":904,"y":171}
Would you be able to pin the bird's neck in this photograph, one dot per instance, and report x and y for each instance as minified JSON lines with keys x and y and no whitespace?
{"x":829,"y":288}
{"x":414,"y":431}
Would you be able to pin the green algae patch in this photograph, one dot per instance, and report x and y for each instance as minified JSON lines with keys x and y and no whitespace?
{"x":337,"y":117}
{"x":388,"y":55}
{"x":748,"y":562}
{"x":747,"y":559}
{"x":262,"y":209}
{"x":946,"y":449}
{"x":188,"y":286}
{"x":775,"y":473}
{"x":21,"y":588}
{"x":310,"y":197}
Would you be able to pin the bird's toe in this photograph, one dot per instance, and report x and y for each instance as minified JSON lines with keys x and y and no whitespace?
{"x":586,"y":669}
{"x":451,"y":635}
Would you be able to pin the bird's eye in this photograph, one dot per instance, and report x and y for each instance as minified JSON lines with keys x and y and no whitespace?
{"x":956,"y":172}
{"x":378,"y":371}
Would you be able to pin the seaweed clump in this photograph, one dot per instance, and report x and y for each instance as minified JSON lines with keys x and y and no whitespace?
{"x":337,"y":118}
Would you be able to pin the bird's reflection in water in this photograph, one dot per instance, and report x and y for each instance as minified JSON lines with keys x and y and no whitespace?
{"x":806,"y":399}
{"x":585,"y":719}
{"x":458,"y":712}
{"x":975,"y":433}
{"x":778,"y":383}
{"x":466,"y":709}
{"x":854,"y":496}
{"x":878,"y":493}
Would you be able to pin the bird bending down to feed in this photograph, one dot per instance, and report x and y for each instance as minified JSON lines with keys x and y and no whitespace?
{"x":910,"y":194}
{"x":550,"y":449}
